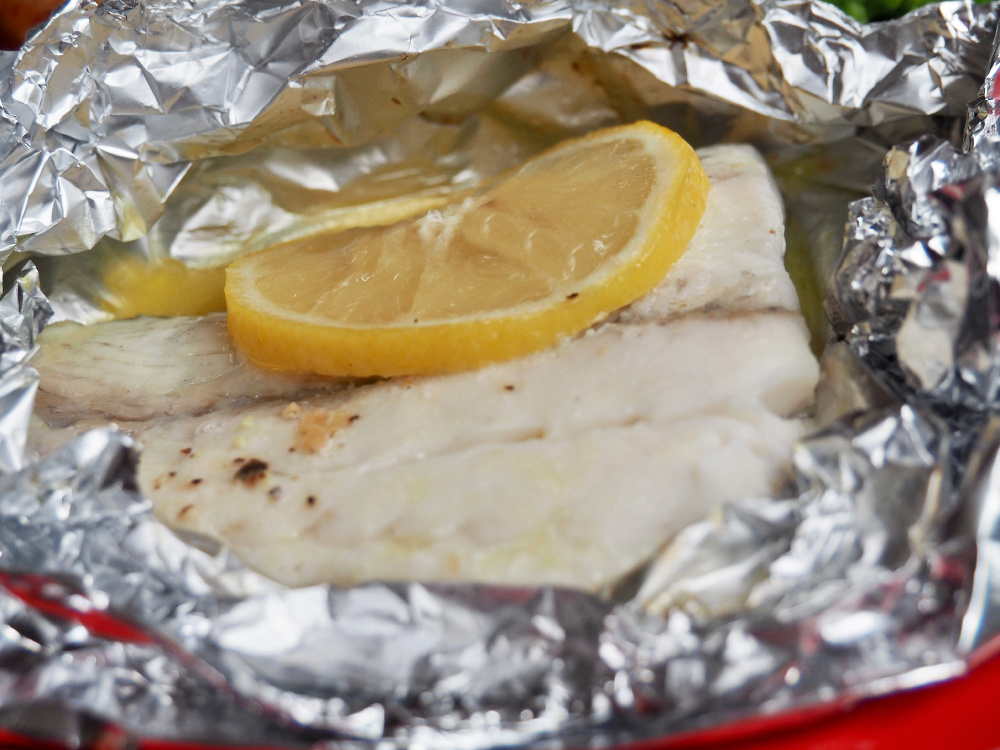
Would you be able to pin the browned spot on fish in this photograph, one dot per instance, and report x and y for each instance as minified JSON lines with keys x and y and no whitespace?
{"x":291,"y":411}
{"x":186,"y":451}
{"x":251,"y":473}
{"x":317,"y":427}
{"x":196,"y":481}
{"x":311,"y":500}
{"x":771,"y":231}
{"x":292,"y":449}
{"x":241,"y":532}
{"x":508,"y":387}
{"x":171,"y":474}
{"x":354,"y":418}
{"x":157,"y":483}
{"x":274,"y":494}
{"x":238,"y":460}
{"x":394,"y":100}
{"x":184,"y":511}
{"x":574,"y":295}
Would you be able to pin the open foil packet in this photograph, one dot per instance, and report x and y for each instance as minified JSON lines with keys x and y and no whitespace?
{"x":162,"y":129}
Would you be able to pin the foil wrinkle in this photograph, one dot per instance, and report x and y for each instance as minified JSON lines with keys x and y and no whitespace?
{"x":153,"y":129}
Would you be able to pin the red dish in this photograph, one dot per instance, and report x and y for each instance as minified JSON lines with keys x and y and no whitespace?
{"x":960,"y":713}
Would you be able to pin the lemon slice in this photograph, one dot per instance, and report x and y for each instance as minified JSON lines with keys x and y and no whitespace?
{"x":573,"y":234}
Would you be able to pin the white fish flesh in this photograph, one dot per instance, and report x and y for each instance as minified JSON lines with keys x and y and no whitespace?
{"x":132,"y":371}
{"x":137,"y":370}
{"x":569,"y":467}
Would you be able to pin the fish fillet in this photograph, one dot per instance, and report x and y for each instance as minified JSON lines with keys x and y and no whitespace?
{"x":570,"y":467}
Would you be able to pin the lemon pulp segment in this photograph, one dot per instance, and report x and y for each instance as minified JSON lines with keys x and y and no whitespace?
{"x":161,"y":287}
{"x":573,"y":234}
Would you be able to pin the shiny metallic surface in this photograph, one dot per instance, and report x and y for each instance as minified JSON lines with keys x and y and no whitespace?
{"x":769,"y":605}
{"x":130,"y":121}
{"x":24,"y":312}
{"x":917,"y":288}
{"x":195,"y":129}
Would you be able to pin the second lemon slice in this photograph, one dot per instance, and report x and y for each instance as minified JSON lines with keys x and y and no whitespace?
{"x":570,"y":236}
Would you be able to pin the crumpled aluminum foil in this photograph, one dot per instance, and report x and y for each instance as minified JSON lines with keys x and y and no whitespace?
{"x":117,"y":143}
{"x":849,"y":596}
{"x":880,"y":575}
{"x":24,"y":312}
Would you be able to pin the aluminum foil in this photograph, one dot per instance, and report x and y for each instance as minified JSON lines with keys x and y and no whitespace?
{"x":849,"y":595}
{"x":156,"y":129}
{"x":24,"y":312}
{"x":289,"y":109}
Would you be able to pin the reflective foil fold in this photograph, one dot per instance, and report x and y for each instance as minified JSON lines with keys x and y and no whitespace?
{"x":110,"y":104}
{"x":917,"y":288}
{"x":847,"y":596}
{"x":152,"y":129}
{"x":24,"y":312}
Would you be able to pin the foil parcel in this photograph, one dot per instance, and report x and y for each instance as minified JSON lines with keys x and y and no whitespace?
{"x":139,"y":127}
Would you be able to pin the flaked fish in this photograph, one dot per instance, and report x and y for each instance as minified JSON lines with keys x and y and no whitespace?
{"x":570,"y":467}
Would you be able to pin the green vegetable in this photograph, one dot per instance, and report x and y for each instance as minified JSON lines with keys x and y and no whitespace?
{"x":867,"y":11}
